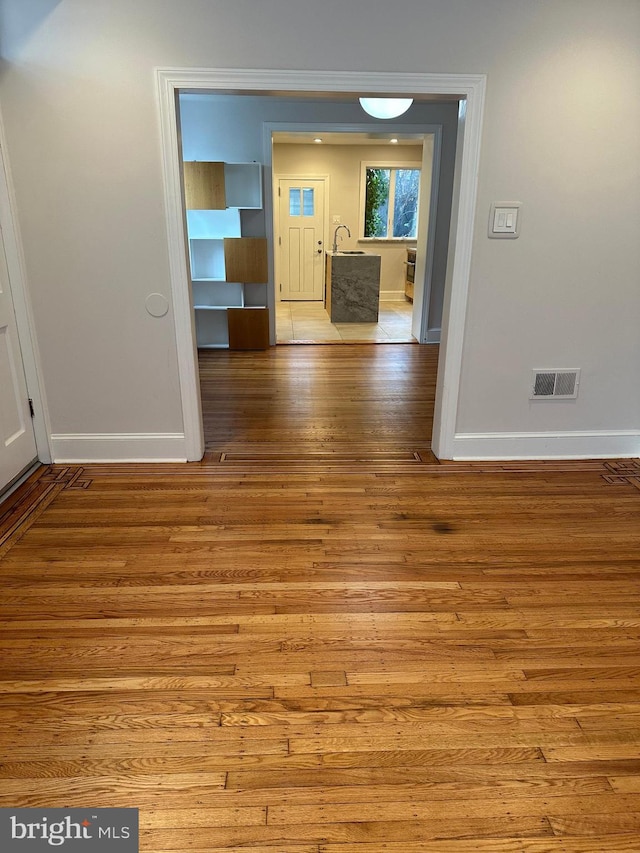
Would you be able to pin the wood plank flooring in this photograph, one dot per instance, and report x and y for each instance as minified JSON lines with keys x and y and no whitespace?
{"x":321,"y":399}
{"x":280,"y":655}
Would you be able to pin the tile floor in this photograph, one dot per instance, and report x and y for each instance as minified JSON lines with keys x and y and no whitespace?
{"x":309,"y":322}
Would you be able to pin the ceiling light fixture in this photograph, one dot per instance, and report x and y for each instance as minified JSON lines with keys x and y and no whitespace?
{"x":393,"y":141}
{"x":385,"y":107}
{"x":317,"y":139}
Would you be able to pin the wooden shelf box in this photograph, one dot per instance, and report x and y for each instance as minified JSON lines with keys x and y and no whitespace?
{"x":245,"y":259}
{"x":248,"y":328}
{"x":204,"y":187}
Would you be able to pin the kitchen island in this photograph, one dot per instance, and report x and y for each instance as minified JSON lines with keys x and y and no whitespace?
{"x":352,"y":292}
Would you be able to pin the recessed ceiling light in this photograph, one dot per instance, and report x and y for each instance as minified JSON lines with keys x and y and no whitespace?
{"x":393,"y":141}
{"x":317,"y":139}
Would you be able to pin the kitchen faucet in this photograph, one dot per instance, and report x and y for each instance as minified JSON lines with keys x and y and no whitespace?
{"x":335,"y":236}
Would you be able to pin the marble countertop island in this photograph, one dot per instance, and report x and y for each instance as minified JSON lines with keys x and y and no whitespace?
{"x":352,"y":292}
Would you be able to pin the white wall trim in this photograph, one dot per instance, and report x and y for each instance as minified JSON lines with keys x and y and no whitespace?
{"x":184,"y":320}
{"x":595,"y":444}
{"x":425,"y":254}
{"x":433,"y":335}
{"x":471,"y":87}
{"x":22,"y":304}
{"x":79,"y":448}
{"x":458,"y":271}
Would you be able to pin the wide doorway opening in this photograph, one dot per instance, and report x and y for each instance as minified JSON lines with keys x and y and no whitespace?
{"x":314,"y":208}
{"x":464,"y":94}
{"x":300,"y":210}
{"x":347,"y":216}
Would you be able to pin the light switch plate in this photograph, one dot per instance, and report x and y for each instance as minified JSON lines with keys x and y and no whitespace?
{"x":504,"y":219}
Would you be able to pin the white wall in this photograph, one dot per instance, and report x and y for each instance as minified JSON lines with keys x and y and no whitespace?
{"x":561,"y":134}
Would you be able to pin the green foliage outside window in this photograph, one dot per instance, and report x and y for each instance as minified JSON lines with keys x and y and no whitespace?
{"x":391,"y":202}
{"x":376,"y":202}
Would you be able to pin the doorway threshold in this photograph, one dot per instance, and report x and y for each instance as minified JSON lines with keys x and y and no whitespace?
{"x":311,"y":342}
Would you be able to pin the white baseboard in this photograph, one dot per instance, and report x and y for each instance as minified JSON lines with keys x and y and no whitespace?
{"x":392,"y":296}
{"x":433,"y":336}
{"x":118,"y":447}
{"x":170,"y":447}
{"x":546,"y":445}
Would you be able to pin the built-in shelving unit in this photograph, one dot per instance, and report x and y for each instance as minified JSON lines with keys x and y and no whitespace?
{"x":228,"y":270}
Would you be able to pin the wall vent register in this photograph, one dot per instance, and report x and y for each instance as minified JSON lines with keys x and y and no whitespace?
{"x":555,"y":384}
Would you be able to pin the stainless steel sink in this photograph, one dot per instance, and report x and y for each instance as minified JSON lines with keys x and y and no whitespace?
{"x":352,"y":252}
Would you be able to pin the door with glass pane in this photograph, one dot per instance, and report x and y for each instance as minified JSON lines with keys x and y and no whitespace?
{"x":301,"y":239}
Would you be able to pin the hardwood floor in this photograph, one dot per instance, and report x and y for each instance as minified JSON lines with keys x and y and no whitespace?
{"x":310,"y":653}
{"x":305,"y":399}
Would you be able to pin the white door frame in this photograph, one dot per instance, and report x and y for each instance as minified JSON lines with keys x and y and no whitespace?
{"x":22,"y":306}
{"x":469,"y":87}
{"x":276,"y":217}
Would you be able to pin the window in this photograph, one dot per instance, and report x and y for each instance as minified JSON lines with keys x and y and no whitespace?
{"x":296,"y":208}
{"x":390,"y":202}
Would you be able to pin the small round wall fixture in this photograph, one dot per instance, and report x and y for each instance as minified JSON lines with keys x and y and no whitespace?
{"x":157,"y":304}
{"x":385,"y":107}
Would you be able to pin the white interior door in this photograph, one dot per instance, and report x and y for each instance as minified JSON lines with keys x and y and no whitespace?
{"x":301,"y":239}
{"x":17,"y":439}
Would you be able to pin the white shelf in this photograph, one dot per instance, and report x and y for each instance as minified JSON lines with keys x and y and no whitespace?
{"x":211,"y":328}
{"x":218,"y":294}
{"x":255,"y":295}
{"x":213,"y":224}
{"x":243,"y":185}
{"x":214,"y":281}
{"x":214,"y":307}
{"x":207,"y":259}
